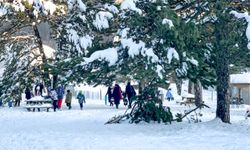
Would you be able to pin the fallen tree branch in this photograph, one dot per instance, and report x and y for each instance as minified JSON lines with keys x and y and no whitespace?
{"x":187,"y":113}
{"x":119,"y":118}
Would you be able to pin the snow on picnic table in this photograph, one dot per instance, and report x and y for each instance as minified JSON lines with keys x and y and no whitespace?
{"x":75,"y":129}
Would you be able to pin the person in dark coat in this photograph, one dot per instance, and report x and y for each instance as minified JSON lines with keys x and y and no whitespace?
{"x":39,"y":89}
{"x":27,"y":93}
{"x":130,"y":93}
{"x":17,"y":97}
{"x":109,"y":93}
{"x":117,"y":94}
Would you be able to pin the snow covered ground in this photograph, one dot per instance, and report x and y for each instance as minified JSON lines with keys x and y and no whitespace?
{"x":75,"y":129}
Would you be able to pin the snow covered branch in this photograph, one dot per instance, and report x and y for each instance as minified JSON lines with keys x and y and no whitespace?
{"x":246,"y":16}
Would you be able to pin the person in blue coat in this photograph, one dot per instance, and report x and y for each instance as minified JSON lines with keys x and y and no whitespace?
{"x":169,"y":95}
{"x":81,"y":99}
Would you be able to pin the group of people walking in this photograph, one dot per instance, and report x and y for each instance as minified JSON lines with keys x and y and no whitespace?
{"x":115,"y":94}
{"x":56,"y":95}
{"x":57,"y":98}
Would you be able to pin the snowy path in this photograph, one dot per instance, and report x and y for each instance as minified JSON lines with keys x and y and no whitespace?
{"x":85,"y":130}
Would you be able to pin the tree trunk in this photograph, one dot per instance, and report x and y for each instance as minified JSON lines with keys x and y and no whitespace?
{"x":44,"y":65}
{"x":141,"y":86}
{"x":55,"y":77}
{"x":178,"y":86}
{"x":190,"y":87}
{"x":222,"y":72}
{"x":198,"y":93}
{"x":223,"y":111}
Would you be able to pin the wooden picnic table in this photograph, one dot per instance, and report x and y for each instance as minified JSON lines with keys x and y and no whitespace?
{"x":187,"y":99}
{"x":38,"y":103}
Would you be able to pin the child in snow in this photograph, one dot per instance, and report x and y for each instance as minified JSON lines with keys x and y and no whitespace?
{"x":169,"y":95}
{"x":54,"y":98}
{"x":109,"y":94}
{"x":81,"y":99}
{"x":68,"y":99}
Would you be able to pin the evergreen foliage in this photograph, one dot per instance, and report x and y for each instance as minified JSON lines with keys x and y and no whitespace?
{"x":221,"y":37}
{"x":148,"y":107}
{"x":146,"y":34}
{"x":18,"y":72}
{"x":22,"y":54}
{"x":89,"y":26}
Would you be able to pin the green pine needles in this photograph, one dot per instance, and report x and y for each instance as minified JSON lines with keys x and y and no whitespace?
{"x":148,"y":107}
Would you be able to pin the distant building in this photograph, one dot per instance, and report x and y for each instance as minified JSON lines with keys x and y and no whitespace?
{"x":240,"y":86}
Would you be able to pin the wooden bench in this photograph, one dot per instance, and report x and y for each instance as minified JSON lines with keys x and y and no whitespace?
{"x":187,"y":99}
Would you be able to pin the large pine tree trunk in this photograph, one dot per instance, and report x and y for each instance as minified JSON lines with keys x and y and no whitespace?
{"x":222,"y":62}
{"x":44,"y":66}
{"x":223,"y":111}
{"x":198,"y":93}
{"x":222,"y":72}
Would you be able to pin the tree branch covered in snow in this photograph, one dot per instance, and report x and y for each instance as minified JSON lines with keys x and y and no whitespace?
{"x":246,"y":16}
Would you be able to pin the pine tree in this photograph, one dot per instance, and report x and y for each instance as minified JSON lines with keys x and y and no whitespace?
{"x":219,"y":33}
{"x":20,"y":39}
{"x":146,"y":36}
{"x":89,"y":26}
{"x":155,"y":44}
